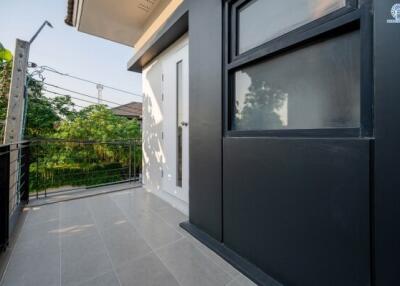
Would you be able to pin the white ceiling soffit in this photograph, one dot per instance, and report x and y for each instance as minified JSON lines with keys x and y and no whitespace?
{"x":121,"y":21}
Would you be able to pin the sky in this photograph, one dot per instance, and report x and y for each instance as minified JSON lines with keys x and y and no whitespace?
{"x":65,"y":49}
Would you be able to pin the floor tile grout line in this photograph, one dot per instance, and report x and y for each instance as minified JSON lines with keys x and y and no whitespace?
{"x":201,"y":250}
{"x":166,"y":267}
{"x":104,"y":244}
{"x":181,"y":238}
{"x":13,"y":251}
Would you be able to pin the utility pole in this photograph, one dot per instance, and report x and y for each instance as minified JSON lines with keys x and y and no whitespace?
{"x":16,"y":110}
{"x":100,"y":88}
{"x":15,"y":113}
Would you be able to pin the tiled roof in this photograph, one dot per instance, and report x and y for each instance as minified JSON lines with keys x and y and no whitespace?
{"x":129,"y":110}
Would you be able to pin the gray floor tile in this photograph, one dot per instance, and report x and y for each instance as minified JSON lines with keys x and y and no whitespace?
{"x":110,"y":221}
{"x":124,"y":243}
{"x":75,"y":247}
{"x":82,"y":242}
{"x":42,"y":214}
{"x":38,"y":236}
{"x":75,"y":271}
{"x":156,"y":232}
{"x":242,"y":280}
{"x":78,"y":226}
{"x":146,"y":271}
{"x":107,"y":279}
{"x":34,"y":267}
{"x":215,"y":258}
{"x":190,"y":266}
{"x":73,"y":208}
{"x":172,"y":216}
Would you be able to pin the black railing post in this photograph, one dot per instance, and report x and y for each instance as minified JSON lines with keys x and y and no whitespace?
{"x":134,"y":160}
{"x":130,"y":161}
{"x":25,"y":150}
{"x":4,"y":195}
{"x":37,"y":169}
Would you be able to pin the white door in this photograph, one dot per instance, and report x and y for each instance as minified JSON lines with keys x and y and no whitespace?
{"x":175,"y":123}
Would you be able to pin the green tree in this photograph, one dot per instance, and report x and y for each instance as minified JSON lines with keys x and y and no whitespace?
{"x":98,"y":123}
{"x":5,"y":79}
{"x":45,"y":114}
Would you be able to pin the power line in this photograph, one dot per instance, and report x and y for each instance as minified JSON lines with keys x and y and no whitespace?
{"x":80,"y":93}
{"x":49,"y":69}
{"x":67,"y":95}
{"x":124,"y":108}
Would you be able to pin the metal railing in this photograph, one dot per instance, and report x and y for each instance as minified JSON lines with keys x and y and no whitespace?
{"x":14,"y":186}
{"x":2,"y":127}
{"x":66,"y":165}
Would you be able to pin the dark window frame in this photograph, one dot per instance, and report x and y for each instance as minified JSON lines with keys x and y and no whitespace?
{"x":348,"y":18}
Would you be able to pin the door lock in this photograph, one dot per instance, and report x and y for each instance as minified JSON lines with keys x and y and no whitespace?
{"x":183,"y":123}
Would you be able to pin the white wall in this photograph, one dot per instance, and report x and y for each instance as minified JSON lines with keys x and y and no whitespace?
{"x":153,"y":115}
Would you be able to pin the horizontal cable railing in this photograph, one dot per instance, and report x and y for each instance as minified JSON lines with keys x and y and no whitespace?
{"x":14,"y":185}
{"x":63,"y":165}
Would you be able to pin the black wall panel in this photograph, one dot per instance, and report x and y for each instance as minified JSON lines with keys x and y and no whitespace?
{"x":299,"y":208}
{"x":387,"y":154}
{"x":205,"y":115}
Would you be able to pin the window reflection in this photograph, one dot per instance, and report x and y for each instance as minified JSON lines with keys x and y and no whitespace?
{"x":314,"y":87}
{"x":259,"y":105}
{"x":263,"y":20}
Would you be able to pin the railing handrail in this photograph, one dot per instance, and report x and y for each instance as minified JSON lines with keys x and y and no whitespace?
{"x":79,"y":141}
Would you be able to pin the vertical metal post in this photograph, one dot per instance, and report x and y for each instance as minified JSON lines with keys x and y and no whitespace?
{"x":134,"y":160}
{"x":130,"y":161}
{"x":37,"y":170}
{"x":25,"y":171}
{"x":4,"y":194}
{"x":45,"y":172}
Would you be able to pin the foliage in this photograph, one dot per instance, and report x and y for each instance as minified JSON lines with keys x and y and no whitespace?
{"x":5,"y":55}
{"x":98,"y":123}
{"x":45,"y":114}
{"x":5,"y":79}
{"x":61,"y":161}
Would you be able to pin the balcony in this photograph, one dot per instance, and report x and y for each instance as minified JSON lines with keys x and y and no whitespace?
{"x":128,"y":237}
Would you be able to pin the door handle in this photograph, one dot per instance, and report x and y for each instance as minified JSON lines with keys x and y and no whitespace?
{"x":183,"y":123}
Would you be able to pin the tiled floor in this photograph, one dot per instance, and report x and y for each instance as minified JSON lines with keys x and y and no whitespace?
{"x":119,"y":239}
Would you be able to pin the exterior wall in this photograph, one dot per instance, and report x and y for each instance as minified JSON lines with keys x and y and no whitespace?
{"x":205,"y":115}
{"x":152,"y":128}
{"x":387,"y":155}
{"x":327,"y":204}
{"x":277,"y":203}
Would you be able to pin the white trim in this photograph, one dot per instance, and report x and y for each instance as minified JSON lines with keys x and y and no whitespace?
{"x":176,"y":46}
{"x":76,"y":17}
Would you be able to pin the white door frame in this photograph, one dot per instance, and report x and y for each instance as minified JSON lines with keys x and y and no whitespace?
{"x":176,"y":59}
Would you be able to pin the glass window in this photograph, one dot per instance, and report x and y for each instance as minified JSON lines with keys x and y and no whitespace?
{"x":264,"y":20}
{"x":313,"y":87}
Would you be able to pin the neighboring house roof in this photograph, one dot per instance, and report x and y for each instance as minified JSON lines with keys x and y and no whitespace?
{"x":70,"y":13}
{"x":129,"y":110}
